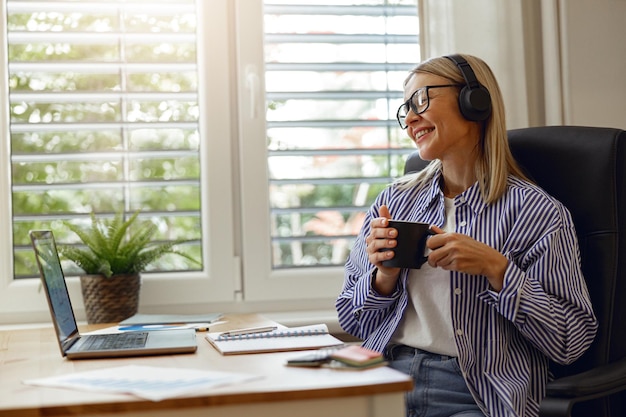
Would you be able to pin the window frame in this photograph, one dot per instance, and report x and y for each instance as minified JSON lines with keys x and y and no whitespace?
{"x":236,"y":243}
{"x":260,"y":280}
{"x":21,"y":300}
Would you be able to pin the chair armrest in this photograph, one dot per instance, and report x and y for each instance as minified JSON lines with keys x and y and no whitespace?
{"x":597,"y":382}
{"x":563,"y":393}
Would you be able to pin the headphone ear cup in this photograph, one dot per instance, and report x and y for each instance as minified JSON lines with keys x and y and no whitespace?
{"x":475,"y":103}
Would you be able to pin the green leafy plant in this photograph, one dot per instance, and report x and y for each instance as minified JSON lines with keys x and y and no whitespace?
{"x":112,"y":248}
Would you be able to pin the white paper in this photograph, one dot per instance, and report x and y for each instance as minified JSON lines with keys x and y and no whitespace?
{"x":151,"y":383}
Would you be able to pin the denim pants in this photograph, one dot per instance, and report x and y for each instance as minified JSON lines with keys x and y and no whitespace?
{"x":439,"y":389}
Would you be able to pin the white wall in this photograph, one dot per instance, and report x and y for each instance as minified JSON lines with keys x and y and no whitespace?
{"x":594,"y":62}
{"x":557,"y":61}
{"x":489,"y":29}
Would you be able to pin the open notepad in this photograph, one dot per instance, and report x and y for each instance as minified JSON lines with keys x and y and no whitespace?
{"x":282,"y":339}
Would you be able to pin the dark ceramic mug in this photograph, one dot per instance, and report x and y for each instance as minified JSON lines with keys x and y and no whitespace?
{"x":411,"y":244}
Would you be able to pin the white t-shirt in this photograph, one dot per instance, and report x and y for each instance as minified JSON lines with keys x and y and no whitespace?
{"x":427,"y":320}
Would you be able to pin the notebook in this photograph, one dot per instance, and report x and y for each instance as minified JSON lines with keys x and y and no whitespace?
{"x":279,"y":340}
{"x":75,"y":346}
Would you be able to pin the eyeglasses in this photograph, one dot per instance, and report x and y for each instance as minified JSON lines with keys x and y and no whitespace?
{"x":418,"y":103}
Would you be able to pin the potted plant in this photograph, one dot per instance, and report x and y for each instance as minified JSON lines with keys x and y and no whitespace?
{"x":113,"y":254}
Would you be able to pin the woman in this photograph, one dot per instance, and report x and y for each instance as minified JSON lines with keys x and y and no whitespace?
{"x":502,"y":292}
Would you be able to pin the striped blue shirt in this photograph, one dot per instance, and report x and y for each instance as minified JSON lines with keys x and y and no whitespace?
{"x":505,"y":340}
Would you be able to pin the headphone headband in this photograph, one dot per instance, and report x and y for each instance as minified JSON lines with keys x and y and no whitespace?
{"x":474,"y":98}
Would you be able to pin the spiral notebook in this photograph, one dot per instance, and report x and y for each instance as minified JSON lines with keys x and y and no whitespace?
{"x":280,"y":340}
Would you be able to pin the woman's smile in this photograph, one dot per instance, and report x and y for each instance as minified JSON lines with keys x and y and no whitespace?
{"x":419,"y":133}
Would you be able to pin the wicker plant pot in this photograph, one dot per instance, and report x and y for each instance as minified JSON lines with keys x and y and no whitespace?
{"x":110,"y":300}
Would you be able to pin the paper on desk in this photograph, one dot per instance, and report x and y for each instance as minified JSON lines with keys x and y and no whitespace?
{"x":151,"y":383}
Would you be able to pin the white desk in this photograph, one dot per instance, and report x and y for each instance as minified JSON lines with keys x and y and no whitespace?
{"x":282,"y":391}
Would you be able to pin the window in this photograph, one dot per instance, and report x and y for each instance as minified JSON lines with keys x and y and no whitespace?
{"x":103,"y":109}
{"x":333,"y":81}
{"x":106,"y":110}
{"x":262,"y":134}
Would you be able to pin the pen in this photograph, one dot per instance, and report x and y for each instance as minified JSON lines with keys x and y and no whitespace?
{"x":249,"y":331}
{"x":144,"y":327}
{"x":199,"y":327}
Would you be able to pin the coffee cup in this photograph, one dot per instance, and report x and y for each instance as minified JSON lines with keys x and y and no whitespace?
{"x":410,"y":248}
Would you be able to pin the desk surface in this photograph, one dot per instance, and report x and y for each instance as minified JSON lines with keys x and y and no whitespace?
{"x":34,"y":353}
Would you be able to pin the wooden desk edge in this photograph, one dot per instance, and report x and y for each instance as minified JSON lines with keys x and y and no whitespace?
{"x":222,"y":399}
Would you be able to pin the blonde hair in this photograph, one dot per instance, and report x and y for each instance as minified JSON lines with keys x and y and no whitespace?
{"x":495,"y":161}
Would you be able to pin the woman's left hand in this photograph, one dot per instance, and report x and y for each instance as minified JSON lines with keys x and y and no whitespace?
{"x":458,"y":252}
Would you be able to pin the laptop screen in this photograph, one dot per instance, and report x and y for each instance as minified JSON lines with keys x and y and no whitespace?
{"x":53,"y":282}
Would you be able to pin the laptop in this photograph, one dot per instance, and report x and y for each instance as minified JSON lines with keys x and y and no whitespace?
{"x":73,"y":345}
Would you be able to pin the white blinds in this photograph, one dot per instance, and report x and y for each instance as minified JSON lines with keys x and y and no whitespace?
{"x":334,"y":75}
{"x":103,"y":116}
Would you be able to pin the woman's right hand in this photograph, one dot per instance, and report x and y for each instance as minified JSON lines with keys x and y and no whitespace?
{"x":382,"y":236}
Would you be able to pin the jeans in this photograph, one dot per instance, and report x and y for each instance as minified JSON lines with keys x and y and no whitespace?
{"x":439,"y":389}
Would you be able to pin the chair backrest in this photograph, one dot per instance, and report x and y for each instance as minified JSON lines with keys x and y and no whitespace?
{"x":584,"y":168}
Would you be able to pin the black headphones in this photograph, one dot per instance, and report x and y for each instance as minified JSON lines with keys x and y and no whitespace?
{"x":474,"y":98}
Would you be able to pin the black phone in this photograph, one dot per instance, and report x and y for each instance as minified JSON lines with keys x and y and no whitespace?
{"x":313,"y":359}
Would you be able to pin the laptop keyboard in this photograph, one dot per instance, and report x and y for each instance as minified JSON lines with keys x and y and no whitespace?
{"x":130,"y":340}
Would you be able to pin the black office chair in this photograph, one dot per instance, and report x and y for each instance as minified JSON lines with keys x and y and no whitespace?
{"x":585,"y":168}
